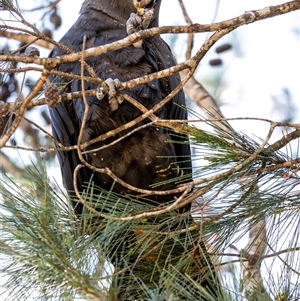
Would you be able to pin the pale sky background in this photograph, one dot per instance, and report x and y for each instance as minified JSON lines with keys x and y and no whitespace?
{"x":265,"y":62}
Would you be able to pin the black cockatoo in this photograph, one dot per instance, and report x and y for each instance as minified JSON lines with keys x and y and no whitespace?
{"x":146,"y":157}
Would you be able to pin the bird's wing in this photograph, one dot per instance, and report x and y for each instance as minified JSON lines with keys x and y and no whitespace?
{"x":65,"y":123}
{"x":175,"y":108}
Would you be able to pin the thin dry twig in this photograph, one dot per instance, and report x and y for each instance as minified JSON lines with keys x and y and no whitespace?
{"x":154,"y":212}
{"x":248,"y":17}
{"x":23,"y":107}
{"x":188,"y":21}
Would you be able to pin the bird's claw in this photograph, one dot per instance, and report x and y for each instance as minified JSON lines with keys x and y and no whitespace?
{"x":139,"y":21}
{"x":114,"y":98}
{"x":134,"y":23}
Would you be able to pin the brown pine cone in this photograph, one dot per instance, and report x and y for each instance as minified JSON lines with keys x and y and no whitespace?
{"x":3,"y":108}
{"x":51,"y":95}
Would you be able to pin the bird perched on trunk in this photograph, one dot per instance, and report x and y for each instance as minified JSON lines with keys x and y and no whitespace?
{"x":146,"y":156}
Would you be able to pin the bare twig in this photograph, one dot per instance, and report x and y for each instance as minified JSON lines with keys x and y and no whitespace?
{"x":26,"y":38}
{"x":154,"y":212}
{"x":23,"y":107}
{"x":188,"y":21}
{"x":248,"y":17}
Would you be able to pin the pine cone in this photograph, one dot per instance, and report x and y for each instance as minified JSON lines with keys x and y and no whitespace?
{"x":51,"y":95}
{"x":3,"y":108}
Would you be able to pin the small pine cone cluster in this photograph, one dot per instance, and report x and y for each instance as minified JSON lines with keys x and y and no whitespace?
{"x":3,"y":108}
{"x":51,"y":94}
